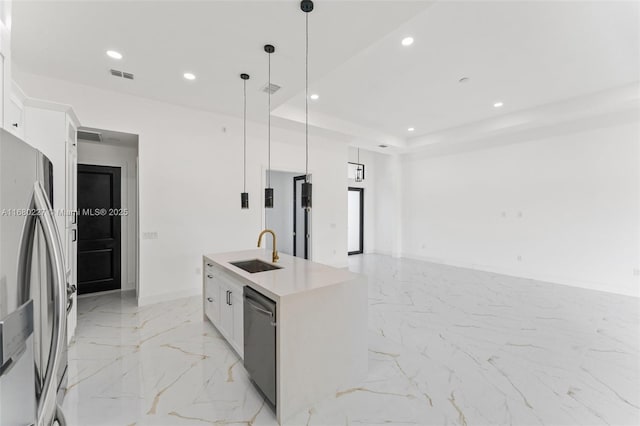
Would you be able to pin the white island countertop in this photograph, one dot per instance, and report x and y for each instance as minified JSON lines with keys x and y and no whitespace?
{"x":320,"y":324}
{"x":296,"y":276}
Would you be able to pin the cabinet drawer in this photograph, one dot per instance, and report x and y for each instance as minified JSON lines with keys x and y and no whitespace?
{"x":212,"y":300}
{"x":210,"y":268}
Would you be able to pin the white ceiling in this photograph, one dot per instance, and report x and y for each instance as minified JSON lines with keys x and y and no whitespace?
{"x":526,"y":54}
{"x":215,"y":40}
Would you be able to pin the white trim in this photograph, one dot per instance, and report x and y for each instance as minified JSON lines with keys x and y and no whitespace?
{"x":53,"y":106}
{"x":549,"y":278}
{"x":17,"y":94}
{"x":166,"y":297}
{"x":102,"y":293}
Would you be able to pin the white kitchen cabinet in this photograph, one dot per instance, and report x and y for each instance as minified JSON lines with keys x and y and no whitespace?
{"x":5,"y":65}
{"x":223,"y":304}
{"x":52,"y":128}
{"x":211,"y":293}
{"x":15,"y":117}
{"x":14,"y":114}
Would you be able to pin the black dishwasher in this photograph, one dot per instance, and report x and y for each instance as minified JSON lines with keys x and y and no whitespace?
{"x":260,"y":341}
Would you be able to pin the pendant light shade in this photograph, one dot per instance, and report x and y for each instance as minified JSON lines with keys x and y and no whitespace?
{"x":306,"y":6}
{"x":268,"y":191}
{"x":268,"y":198}
{"x":244,"y":196}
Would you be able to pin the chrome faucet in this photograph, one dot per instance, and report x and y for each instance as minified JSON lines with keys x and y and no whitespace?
{"x":274,"y":255}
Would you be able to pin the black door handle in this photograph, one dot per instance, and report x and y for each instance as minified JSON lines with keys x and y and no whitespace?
{"x":75,"y":235}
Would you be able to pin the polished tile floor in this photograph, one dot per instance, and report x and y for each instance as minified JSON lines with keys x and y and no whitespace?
{"x":447,"y":346}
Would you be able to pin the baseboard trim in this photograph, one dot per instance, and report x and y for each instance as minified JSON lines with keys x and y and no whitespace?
{"x":101,"y":293}
{"x":169,"y":296}
{"x":549,"y":278}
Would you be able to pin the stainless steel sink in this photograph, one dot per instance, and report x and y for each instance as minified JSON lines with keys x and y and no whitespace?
{"x":254,"y":265}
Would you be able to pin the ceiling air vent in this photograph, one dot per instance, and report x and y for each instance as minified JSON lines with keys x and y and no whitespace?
{"x":118,"y":73}
{"x":270,"y":88}
{"x":87,"y":135}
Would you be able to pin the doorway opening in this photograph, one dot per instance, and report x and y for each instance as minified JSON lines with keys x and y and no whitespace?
{"x":290,"y":222}
{"x":107,"y":197}
{"x":355,"y":224}
{"x":99,"y":228}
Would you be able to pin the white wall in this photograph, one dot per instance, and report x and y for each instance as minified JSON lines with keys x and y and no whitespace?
{"x":190,"y":178}
{"x":563,"y":209}
{"x":104,"y":154}
{"x":388,"y":204}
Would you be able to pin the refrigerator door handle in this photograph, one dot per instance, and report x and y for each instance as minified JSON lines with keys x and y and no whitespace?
{"x":47,"y":411}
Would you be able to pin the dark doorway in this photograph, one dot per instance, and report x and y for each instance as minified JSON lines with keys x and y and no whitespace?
{"x":355,"y":223}
{"x":99,"y":244}
{"x":301,"y":234}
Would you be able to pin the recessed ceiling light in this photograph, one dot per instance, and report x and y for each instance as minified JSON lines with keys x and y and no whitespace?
{"x":498,"y":104}
{"x":189,"y":76}
{"x":410,"y":129}
{"x":113,"y":54}
{"x":314,"y":97}
{"x":407,"y":41}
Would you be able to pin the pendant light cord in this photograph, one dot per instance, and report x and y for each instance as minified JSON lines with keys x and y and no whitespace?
{"x":306,"y":97}
{"x":244,"y":126}
{"x":269,"y":127}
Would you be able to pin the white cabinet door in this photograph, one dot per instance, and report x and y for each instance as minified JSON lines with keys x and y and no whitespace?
{"x":212,"y":299}
{"x":225,"y":310}
{"x":238,"y":321}
{"x":14,"y":118}
{"x":226,"y":315}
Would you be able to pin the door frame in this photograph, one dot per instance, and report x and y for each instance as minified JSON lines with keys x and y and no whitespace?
{"x":117,"y":228}
{"x":361,"y":191}
{"x":306,"y":219}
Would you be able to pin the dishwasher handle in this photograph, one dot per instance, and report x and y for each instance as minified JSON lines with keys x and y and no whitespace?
{"x":262,"y":311}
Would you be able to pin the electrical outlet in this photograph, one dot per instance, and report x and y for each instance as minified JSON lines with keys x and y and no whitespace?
{"x":424,"y":246}
{"x":519,"y":258}
{"x":520,"y":215}
{"x":198,"y":271}
{"x":504,"y":215}
{"x":149,"y":235}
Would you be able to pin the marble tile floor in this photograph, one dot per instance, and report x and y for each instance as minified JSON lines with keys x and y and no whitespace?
{"x":447,"y":346}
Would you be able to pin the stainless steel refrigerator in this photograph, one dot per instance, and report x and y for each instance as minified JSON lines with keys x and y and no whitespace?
{"x":33,"y":289}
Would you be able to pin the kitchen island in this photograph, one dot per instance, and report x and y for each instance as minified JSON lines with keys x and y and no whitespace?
{"x":319,"y":324}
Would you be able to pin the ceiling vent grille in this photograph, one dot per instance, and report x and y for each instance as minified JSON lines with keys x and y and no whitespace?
{"x":123,"y":74}
{"x":86,"y":135}
{"x":270,"y":88}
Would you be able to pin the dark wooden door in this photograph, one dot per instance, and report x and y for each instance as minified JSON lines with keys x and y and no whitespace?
{"x":99,"y":243}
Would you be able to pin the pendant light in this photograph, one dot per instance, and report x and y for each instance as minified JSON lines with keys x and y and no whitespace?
{"x":306,"y":6}
{"x":268,"y":191}
{"x":244,"y":196}
{"x":359,"y":169}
